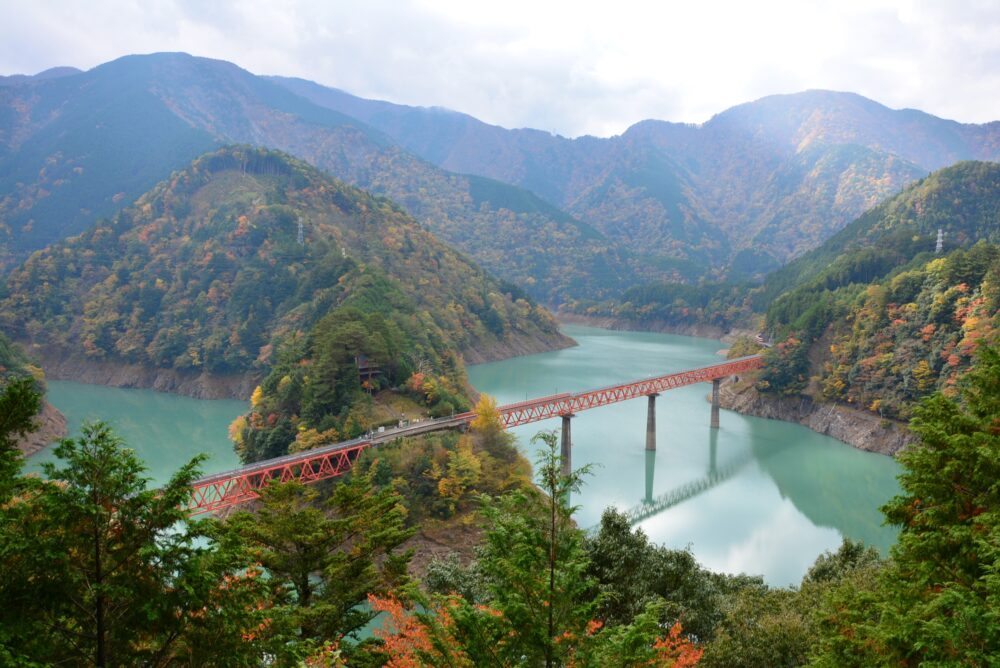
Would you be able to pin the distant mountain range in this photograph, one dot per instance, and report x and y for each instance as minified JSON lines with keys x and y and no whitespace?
{"x":737,"y":196}
{"x":762,"y":180}
{"x":76,"y":148}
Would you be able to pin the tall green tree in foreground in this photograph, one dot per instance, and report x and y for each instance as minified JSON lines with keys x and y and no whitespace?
{"x":938,"y":603}
{"x":99,"y":569}
{"x":19,"y":403}
{"x":534,"y":560}
{"x":538,"y":605}
{"x":324,"y":558}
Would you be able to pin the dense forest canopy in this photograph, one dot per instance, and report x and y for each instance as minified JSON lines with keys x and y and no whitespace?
{"x":214,"y":268}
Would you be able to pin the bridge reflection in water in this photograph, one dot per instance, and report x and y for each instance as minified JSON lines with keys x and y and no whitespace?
{"x":818,"y":482}
{"x":651,"y":505}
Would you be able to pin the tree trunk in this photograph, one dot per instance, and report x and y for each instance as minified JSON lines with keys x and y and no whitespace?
{"x":101,"y":660}
{"x":552,"y":574}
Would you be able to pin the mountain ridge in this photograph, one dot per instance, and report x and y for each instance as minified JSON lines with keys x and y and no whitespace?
{"x":751,"y":188}
{"x":191,"y":105}
{"x":804,"y":140}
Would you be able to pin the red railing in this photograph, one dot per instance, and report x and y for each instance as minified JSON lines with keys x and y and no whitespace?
{"x":230,"y":488}
{"x":533,"y":410}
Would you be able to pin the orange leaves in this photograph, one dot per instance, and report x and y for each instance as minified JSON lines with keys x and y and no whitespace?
{"x":409,"y":642}
{"x":415,"y":383}
{"x":676,"y":651}
{"x":404,"y":637}
{"x":492,"y":612}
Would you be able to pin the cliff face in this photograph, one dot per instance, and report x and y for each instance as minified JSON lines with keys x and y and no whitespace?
{"x":854,"y":427}
{"x":61,"y":365}
{"x":51,"y":427}
{"x":702,"y":330}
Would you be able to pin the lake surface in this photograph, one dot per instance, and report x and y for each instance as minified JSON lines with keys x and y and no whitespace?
{"x":165,"y":430}
{"x":773,"y":495}
{"x":770,"y":496}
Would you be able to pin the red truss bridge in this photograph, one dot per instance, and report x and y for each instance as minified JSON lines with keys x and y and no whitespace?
{"x":230,"y":488}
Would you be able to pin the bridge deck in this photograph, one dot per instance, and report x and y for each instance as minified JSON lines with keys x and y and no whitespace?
{"x":230,"y":488}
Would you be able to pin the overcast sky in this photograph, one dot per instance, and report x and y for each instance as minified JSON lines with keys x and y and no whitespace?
{"x":574,"y":68}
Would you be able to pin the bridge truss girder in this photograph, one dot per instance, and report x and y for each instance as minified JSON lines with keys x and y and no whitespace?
{"x":231,"y":488}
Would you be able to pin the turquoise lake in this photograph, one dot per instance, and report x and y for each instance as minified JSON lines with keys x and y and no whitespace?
{"x":756,"y":496}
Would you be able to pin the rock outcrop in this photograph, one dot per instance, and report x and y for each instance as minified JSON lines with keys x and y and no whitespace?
{"x":51,"y":427}
{"x":59,"y":365}
{"x":850,"y":425}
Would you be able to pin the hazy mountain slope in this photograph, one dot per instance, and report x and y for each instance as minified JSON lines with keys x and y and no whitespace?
{"x":773,"y":177}
{"x":51,"y":73}
{"x":206,"y":273}
{"x":536,"y":160}
{"x":77,"y":147}
{"x":829,"y":117}
{"x":963,"y":201}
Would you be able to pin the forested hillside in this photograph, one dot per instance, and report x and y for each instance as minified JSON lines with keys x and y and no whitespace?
{"x":886,"y":344}
{"x":245,"y":251}
{"x":963,"y":201}
{"x":875,"y":316}
{"x":79,"y":147}
{"x":14,"y":363}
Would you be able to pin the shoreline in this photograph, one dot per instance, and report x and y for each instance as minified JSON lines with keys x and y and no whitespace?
{"x":851,"y":426}
{"x":59,"y":364}
{"x":51,"y":427}
{"x":653,"y":326}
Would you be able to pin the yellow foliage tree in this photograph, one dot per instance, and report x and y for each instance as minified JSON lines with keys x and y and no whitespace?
{"x":487,"y":422}
{"x":464,"y":470}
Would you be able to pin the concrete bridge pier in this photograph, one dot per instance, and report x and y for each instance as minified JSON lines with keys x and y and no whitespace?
{"x":713,"y":449}
{"x":715,"y":403}
{"x":650,"y":469}
{"x":566,"y":452}
{"x":651,"y":422}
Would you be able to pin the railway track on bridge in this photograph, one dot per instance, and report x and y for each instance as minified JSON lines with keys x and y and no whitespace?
{"x":229,"y":488}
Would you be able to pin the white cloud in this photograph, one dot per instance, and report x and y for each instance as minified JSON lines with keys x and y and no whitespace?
{"x":568,"y":67}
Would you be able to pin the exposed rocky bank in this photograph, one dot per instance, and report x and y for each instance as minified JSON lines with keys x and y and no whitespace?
{"x":660,"y":326}
{"x":850,"y":425}
{"x":515,"y":345}
{"x":61,"y":365}
{"x":51,"y":427}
